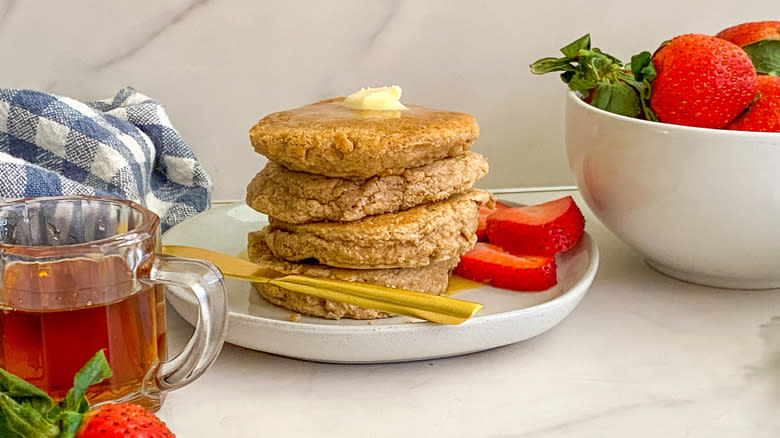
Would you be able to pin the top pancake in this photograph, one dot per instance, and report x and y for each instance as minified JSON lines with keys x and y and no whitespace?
{"x":327,"y":138}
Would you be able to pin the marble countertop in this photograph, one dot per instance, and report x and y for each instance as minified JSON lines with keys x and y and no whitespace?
{"x":643,"y":355}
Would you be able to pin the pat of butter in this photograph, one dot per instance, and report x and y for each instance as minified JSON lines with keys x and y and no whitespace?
{"x":377,"y":99}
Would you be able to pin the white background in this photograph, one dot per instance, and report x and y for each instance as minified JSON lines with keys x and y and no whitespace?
{"x":218,"y":66}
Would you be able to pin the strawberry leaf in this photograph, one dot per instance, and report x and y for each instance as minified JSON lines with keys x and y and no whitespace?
{"x":642,"y":67}
{"x":28,"y":412}
{"x":580,"y":84}
{"x":20,"y":389}
{"x":19,"y":395}
{"x":643,"y":72}
{"x":70,"y":422}
{"x":618,"y":98}
{"x":765,"y":55}
{"x":94,"y":371}
{"x":25,"y":421}
{"x":548,"y":65}
{"x":5,"y":429}
{"x":582,"y":43}
{"x":582,"y":67}
{"x":603,"y":79}
{"x":611,"y":59}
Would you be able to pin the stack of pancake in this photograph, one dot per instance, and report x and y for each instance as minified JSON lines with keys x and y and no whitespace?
{"x":371,"y":196}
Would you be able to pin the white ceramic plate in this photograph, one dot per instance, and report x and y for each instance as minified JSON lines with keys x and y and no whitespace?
{"x":508,"y":317}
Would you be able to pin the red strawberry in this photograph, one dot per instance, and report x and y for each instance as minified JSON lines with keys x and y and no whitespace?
{"x":122,"y":420}
{"x":487,"y":263}
{"x":701,"y":81}
{"x":764,"y":113}
{"x":761,"y":41}
{"x":749,"y":33}
{"x":484,"y":212}
{"x":543,"y":229}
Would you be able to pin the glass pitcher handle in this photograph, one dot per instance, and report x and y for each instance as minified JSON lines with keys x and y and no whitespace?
{"x":205,"y":281}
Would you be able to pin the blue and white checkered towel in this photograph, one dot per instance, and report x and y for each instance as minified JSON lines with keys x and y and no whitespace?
{"x":123,"y":147}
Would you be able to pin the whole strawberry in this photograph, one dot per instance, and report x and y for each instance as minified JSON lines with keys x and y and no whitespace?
{"x":764,"y":113}
{"x":122,"y":420}
{"x":749,"y":33}
{"x":760,"y":40}
{"x":701,"y":81}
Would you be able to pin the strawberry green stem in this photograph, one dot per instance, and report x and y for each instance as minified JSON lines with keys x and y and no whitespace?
{"x":603,"y":80}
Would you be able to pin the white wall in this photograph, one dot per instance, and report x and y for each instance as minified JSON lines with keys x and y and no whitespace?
{"x":218,"y":66}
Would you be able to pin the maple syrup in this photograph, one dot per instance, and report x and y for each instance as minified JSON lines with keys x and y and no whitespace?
{"x":55,"y":316}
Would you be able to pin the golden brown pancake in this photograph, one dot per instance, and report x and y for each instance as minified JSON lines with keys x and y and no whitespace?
{"x":431,"y":279}
{"x":327,"y":138}
{"x":411,"y":238}
{"x":298,"y":197}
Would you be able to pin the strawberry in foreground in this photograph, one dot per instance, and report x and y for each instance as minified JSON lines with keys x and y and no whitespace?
{"x":484,"y":212}
{"x":761,"y":41}
{"x":488,"y":263}
{"x":120,"y":420}
{"x":544,"y":229}
{"x":764,"y":113}
{"x":28,"y":412}
{"x":701,"y":81}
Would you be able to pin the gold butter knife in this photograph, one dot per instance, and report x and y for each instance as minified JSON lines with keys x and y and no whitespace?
{"x":434,"y":308}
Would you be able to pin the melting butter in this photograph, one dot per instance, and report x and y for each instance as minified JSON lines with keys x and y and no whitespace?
{"x":377,"y":99}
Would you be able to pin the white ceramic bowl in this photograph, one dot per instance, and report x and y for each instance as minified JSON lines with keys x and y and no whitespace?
{"x":702,"y":205}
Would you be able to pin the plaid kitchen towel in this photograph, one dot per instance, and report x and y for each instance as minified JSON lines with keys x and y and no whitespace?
{"x":122,"y":147}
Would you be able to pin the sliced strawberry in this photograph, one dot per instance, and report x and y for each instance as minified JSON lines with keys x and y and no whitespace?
{"x":484,"y":212}
{"x":543,"y":229}
{"x":488,"y":263}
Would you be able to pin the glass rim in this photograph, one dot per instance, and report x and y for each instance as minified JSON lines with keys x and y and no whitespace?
{"x":142,"y":231}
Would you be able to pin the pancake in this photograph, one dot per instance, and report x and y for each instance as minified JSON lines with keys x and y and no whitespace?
{"x":431,"y":279}
{"x":411,"y":238}
{"x":298,"y":197}
{"x":327,"y":138}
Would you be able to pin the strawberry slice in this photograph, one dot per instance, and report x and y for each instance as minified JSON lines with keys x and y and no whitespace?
{"x":488,"y":263}
{"x":484,"y":212}
{"x":543,"y":229}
